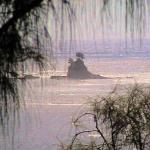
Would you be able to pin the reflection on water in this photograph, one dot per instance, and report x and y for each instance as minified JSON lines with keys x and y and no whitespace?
{"x":50,"y":104}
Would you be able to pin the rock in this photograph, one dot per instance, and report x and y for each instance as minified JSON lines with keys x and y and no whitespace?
{"x":78,"y":70}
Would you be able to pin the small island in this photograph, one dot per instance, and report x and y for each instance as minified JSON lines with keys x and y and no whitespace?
{"x":78,"y":70}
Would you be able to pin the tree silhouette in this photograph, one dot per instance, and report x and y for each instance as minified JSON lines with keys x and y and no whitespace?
{"x":20,"y":41}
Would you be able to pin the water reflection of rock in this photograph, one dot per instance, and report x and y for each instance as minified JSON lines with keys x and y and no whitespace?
{"x":78,"y":70}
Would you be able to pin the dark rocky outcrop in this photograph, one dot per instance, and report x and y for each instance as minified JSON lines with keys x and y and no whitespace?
{"x":78,"y":70}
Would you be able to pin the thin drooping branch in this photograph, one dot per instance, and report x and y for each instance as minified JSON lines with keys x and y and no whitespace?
{"x":19,"y":14}
{"x":77,"y":134}
{"x":96,"y":126}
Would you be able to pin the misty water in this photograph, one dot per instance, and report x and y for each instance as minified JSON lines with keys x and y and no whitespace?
{"x":50,"y":105}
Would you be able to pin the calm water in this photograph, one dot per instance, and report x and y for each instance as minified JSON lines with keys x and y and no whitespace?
{"x":51,"y":104}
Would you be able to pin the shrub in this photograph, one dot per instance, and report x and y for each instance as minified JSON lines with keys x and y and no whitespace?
{"x":117,"y":121}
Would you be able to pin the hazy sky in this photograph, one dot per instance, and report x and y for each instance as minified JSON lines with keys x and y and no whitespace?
{"x":88,"y":20}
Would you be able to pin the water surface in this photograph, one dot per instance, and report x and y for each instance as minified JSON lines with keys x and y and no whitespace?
{"x":51,"y":104}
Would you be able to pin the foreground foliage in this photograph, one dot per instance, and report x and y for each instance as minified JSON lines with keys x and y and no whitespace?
{"x":117,"y":121}
{"x":23,"y":36}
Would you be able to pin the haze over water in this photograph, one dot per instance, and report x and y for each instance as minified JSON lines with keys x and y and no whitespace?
{"x":111,"y":42}
{"x":51,"y":104}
